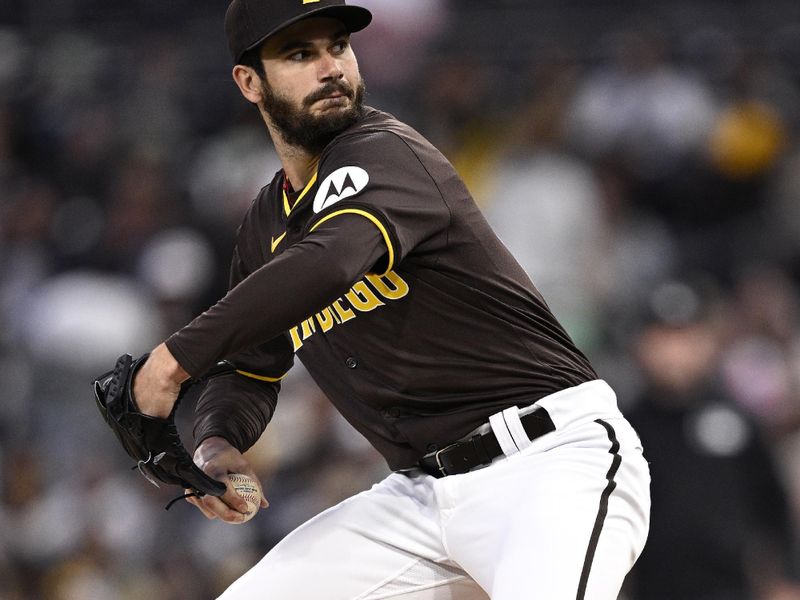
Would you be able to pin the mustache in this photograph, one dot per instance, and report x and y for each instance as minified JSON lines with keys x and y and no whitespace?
{"x":329,"y":89}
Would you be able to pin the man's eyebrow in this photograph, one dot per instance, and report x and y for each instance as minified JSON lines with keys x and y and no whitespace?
{"x":291,"y":46}
{"x":294,"y":45}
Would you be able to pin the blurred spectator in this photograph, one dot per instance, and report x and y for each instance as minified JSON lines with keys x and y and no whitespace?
{"x":398,"y":41}
{"x":640,"y":108}
{"x":546,"y":205}
{"x":781,"y":226}
{"x":720,"y":525}
{"x":759,"y":364}
{"x":79,"y":318}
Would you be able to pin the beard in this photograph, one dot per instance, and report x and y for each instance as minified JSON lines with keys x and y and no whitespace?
{"x":299,"y":127}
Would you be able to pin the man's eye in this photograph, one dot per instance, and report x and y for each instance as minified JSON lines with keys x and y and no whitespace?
{"x":299,"y":56}
{"x":340,"y":47}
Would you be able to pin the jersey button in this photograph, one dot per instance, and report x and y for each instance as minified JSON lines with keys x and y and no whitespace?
{"x":351,"y":362}
{"x":390,"y":413}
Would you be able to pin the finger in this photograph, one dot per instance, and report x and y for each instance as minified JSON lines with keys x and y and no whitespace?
{"x":264,"y":503}
{"x":194,"y":500}
{"x":206,"y":513}
{"x":220,"y":509}
{"x":234,"y":500}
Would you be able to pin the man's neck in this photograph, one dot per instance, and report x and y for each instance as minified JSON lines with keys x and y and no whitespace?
{"x":299,"y":165}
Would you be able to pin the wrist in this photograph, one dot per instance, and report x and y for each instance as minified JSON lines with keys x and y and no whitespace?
{"x":169,"y":368}
{"x":212,"y":447}
{"x":215,"y":442}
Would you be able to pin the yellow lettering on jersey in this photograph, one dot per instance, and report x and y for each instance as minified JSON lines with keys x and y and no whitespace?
{"x":345,"y":314}
{"x":399,"y":287}
{"x":308,"y":328}
{"x":362,"y":298}
{"x":310,"y":1}
{"x":325,"y":319}
{"x":294,"y":333}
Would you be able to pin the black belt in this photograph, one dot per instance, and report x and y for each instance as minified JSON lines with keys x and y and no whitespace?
{"x":481,"y":449}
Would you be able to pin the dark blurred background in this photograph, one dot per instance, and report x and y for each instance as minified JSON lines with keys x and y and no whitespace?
{"x":641,"y":159}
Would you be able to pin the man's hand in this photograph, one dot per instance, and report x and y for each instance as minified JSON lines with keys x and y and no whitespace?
{"x":216,"y":457}
{"x":158,"y":382}
{"x":152,"y":441}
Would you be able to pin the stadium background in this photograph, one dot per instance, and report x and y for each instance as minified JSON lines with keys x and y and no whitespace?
{"x":614,"y":145}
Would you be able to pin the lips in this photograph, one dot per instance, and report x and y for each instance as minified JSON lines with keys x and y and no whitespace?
{"x":334,"y":101}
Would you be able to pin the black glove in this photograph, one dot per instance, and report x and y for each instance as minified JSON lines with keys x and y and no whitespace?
{"x":152,"y":442}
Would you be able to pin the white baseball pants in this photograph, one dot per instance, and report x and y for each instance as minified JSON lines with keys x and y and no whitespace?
{"x":561,"y":518}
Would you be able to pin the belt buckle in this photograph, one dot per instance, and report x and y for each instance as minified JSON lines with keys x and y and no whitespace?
{"x":439,"y":464}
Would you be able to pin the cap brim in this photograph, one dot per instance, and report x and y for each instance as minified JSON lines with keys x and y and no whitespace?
{"x":355,"y":18}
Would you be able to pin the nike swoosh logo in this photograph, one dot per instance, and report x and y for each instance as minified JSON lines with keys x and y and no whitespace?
{"x":278,"y":240}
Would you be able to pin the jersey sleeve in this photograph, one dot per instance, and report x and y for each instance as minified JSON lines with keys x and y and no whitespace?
{"x":269,"y":361}
{"x":378,"y":177}
{"x":240,"y":405}
{"x":262,"y":307}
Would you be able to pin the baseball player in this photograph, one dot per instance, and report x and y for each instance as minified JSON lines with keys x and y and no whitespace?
{"x":514,"y":473}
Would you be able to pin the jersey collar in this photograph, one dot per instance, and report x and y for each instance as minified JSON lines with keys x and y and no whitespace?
{"x":289,"y":207}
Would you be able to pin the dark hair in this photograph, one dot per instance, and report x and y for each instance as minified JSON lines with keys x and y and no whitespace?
{"x":252,"y":59}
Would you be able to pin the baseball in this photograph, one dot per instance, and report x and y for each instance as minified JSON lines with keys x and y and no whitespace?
{"x":249,"y":489}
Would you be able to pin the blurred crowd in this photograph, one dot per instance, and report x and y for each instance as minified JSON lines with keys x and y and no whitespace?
{"x":641,"y":160}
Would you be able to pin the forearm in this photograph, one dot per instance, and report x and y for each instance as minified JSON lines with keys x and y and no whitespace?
{"x":235,"y":408}
{"x":158,"y":382}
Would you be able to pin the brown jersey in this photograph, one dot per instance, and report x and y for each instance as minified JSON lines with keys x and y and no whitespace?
{"x":384,"y":278}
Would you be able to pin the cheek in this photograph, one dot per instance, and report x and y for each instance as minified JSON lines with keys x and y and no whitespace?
{"x":353,"y":78}
{"x":292,"y":85}
{"x":350,"y":70}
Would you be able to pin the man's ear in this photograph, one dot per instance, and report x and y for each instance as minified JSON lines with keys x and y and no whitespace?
{"x":249,"y":83}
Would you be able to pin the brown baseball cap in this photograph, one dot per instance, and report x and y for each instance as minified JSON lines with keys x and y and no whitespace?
{"x":249,"y":22}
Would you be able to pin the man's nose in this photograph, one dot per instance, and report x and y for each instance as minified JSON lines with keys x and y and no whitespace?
{"x":329,"y":68}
